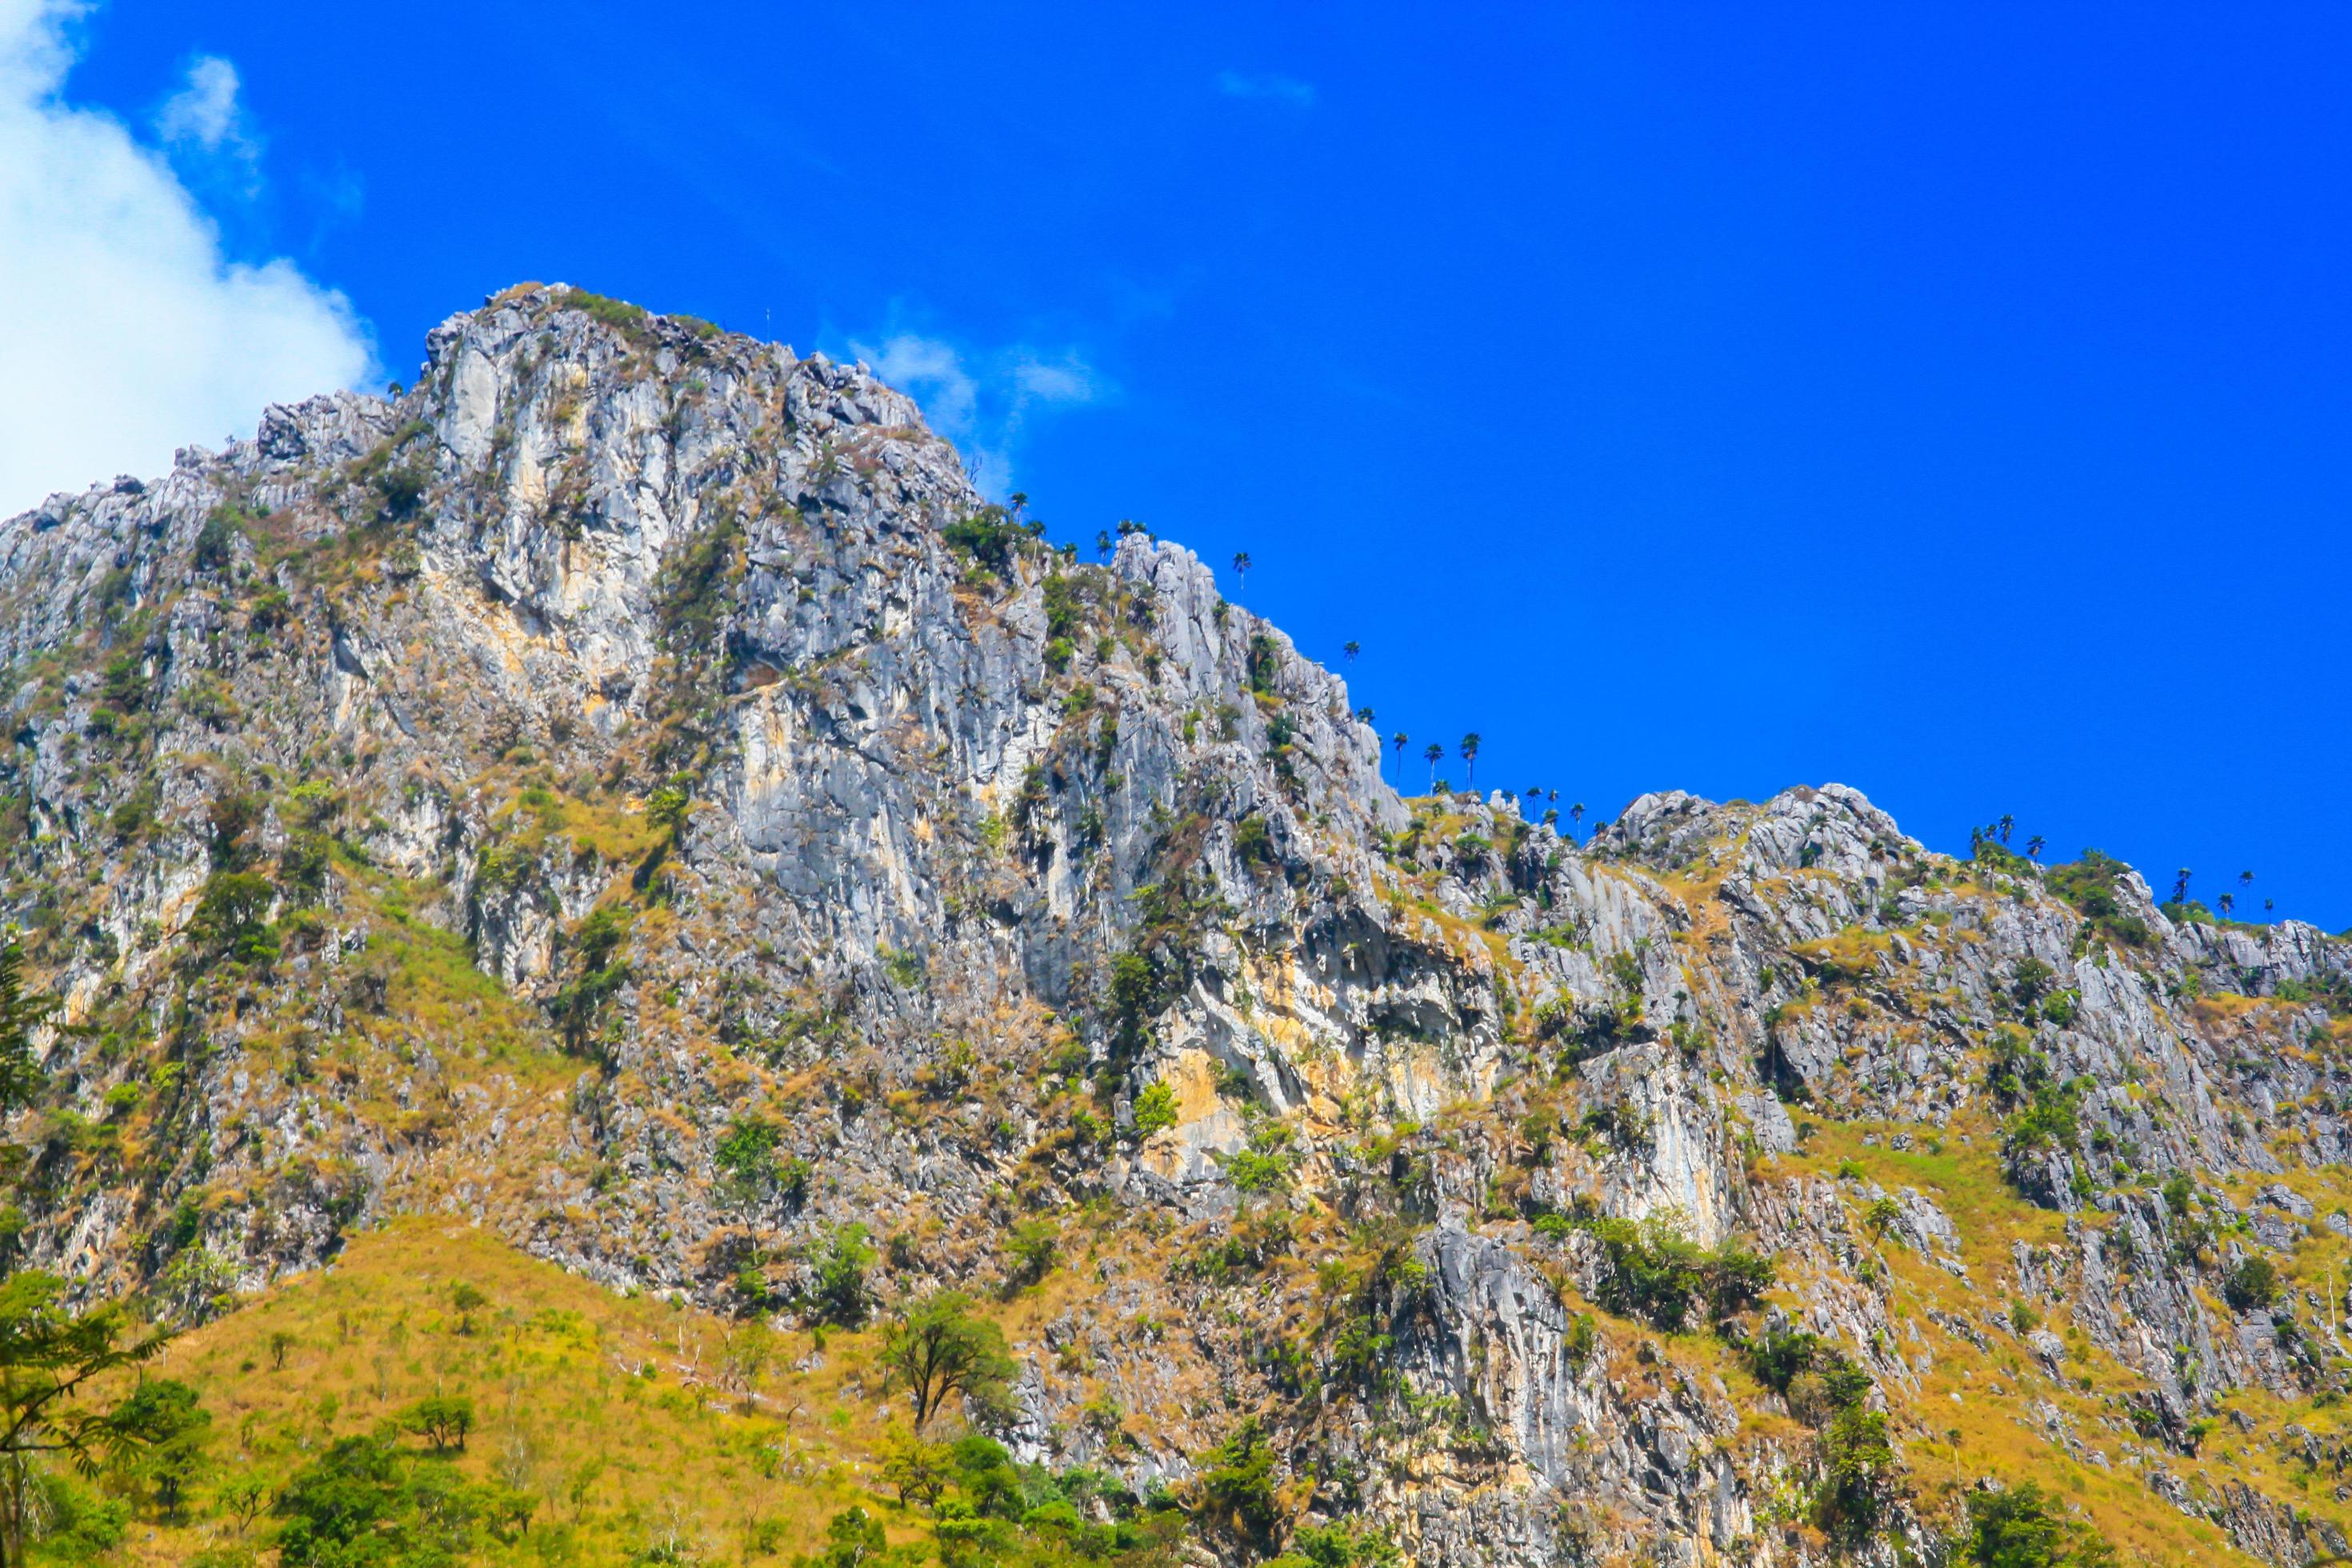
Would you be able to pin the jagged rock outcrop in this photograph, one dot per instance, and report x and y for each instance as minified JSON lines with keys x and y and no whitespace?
{"x":632,"y":791}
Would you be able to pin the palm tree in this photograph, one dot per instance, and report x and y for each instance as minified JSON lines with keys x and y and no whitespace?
{"x":1398,"y":741}
{"x":2181,"y":887}
{"x":1435,"y":755}
{"x":1241,"y":569}
{"x":1470,"y":761}
{"x":2228,"y":901}
{"x":2246,"y":878}
{"x":1102,"y":544}
{"x":2004,"y":825}
{"x":1576,"y":814}
{"x":2033,"y":848}
{"x":1364,"y":716}
{"x":1351,"y":647}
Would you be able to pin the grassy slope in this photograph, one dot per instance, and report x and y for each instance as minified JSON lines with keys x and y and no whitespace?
{"x":618,"y":1414}
{"x":1994,"y":1416}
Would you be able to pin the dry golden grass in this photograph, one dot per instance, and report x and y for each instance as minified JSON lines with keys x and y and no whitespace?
{"x":1998,"y":1387}
{"x":621,"y":1415}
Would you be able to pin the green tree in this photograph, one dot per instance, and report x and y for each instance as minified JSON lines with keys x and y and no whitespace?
{"x":1338,"y":1545}
{"x":2252,"y":1283}
{"x":1470,"y":760}
{"x":668,"y":808}
{"x":1235,"y":1489}
{"x":2025,"y":1526}
{"x":467,"y":1301}
{"x":20,"y":1014}
{"x":48,"y":1355}
{"x":338,"y":1506}
{"x":231,"y":920}
{"x":839,"y":1295}
{"x":1860,"y":1478}
{"x":176,"y":1429}
{"x":1433,"y":756}
{"x":1031,"y":1250}
{"x":920,"y":1471}
{"x":852,"y":1537}
{"x":443,"y":1421}
{"x":1242,"y":564}
{"x":1351,"y":647}
{"x":243,"y":1496}
{"x":939,"y":1348}
{"x":1397,"y":743}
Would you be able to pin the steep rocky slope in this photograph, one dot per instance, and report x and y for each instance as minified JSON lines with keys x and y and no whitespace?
{"x":632,"y":793}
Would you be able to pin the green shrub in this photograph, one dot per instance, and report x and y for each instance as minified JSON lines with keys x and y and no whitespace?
{"x":990,"y":536}
{"x":746,"y":1158}
{"x":1264,"y":663}
{"x":1338,"y":1545}
{"x":579,"y":1006}
{"x":1031,"y":1250}
{"x":216,"y":544}
{"x":1265,"y":1166}
{"x":2025,"y":1526}
{"x":229,"y":919}
{"x":1657,"y":1274}
{"x":839,"y":1296}
{"x":81,"y":1524}
{"x":698,"y":584}
{"x":2252,"y":1283}
{"x":1155,"y":1110}
{"x":2090,"y":885}
{"x":1254,"y":843}
{"x":401,"y":490}
{"x":1236,"y":1488}
{"x":1860,"y":1476}
{"x":1065,"y":608}
{"x":617,"y":313}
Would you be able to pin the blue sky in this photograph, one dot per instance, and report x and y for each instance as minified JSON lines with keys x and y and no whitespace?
{"x":1949,"y":402}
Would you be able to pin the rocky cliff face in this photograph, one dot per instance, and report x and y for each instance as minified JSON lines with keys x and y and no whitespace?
{"x":631,"y":791}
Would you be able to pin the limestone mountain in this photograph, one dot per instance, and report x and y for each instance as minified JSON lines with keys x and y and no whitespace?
{"x":630,"y":795}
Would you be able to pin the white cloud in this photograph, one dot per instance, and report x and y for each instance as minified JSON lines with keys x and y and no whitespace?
{"x":1279,"y":89}
{"x":124,"y":331}
{"x":932,"y":373}
{"x":204,"y":117}
{"x":981,"y":402}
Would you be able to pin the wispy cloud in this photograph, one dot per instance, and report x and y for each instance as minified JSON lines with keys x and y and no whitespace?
{"x":206,"y":118}
{"x":1274,"y":89}
{"x":124,"y":331}
{"x":984,"y":400}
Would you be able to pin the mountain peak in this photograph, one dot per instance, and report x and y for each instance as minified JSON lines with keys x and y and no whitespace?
{"x":629,"y":790}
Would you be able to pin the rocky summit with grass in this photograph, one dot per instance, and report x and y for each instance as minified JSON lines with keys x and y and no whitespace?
{"x":643,"y":976}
